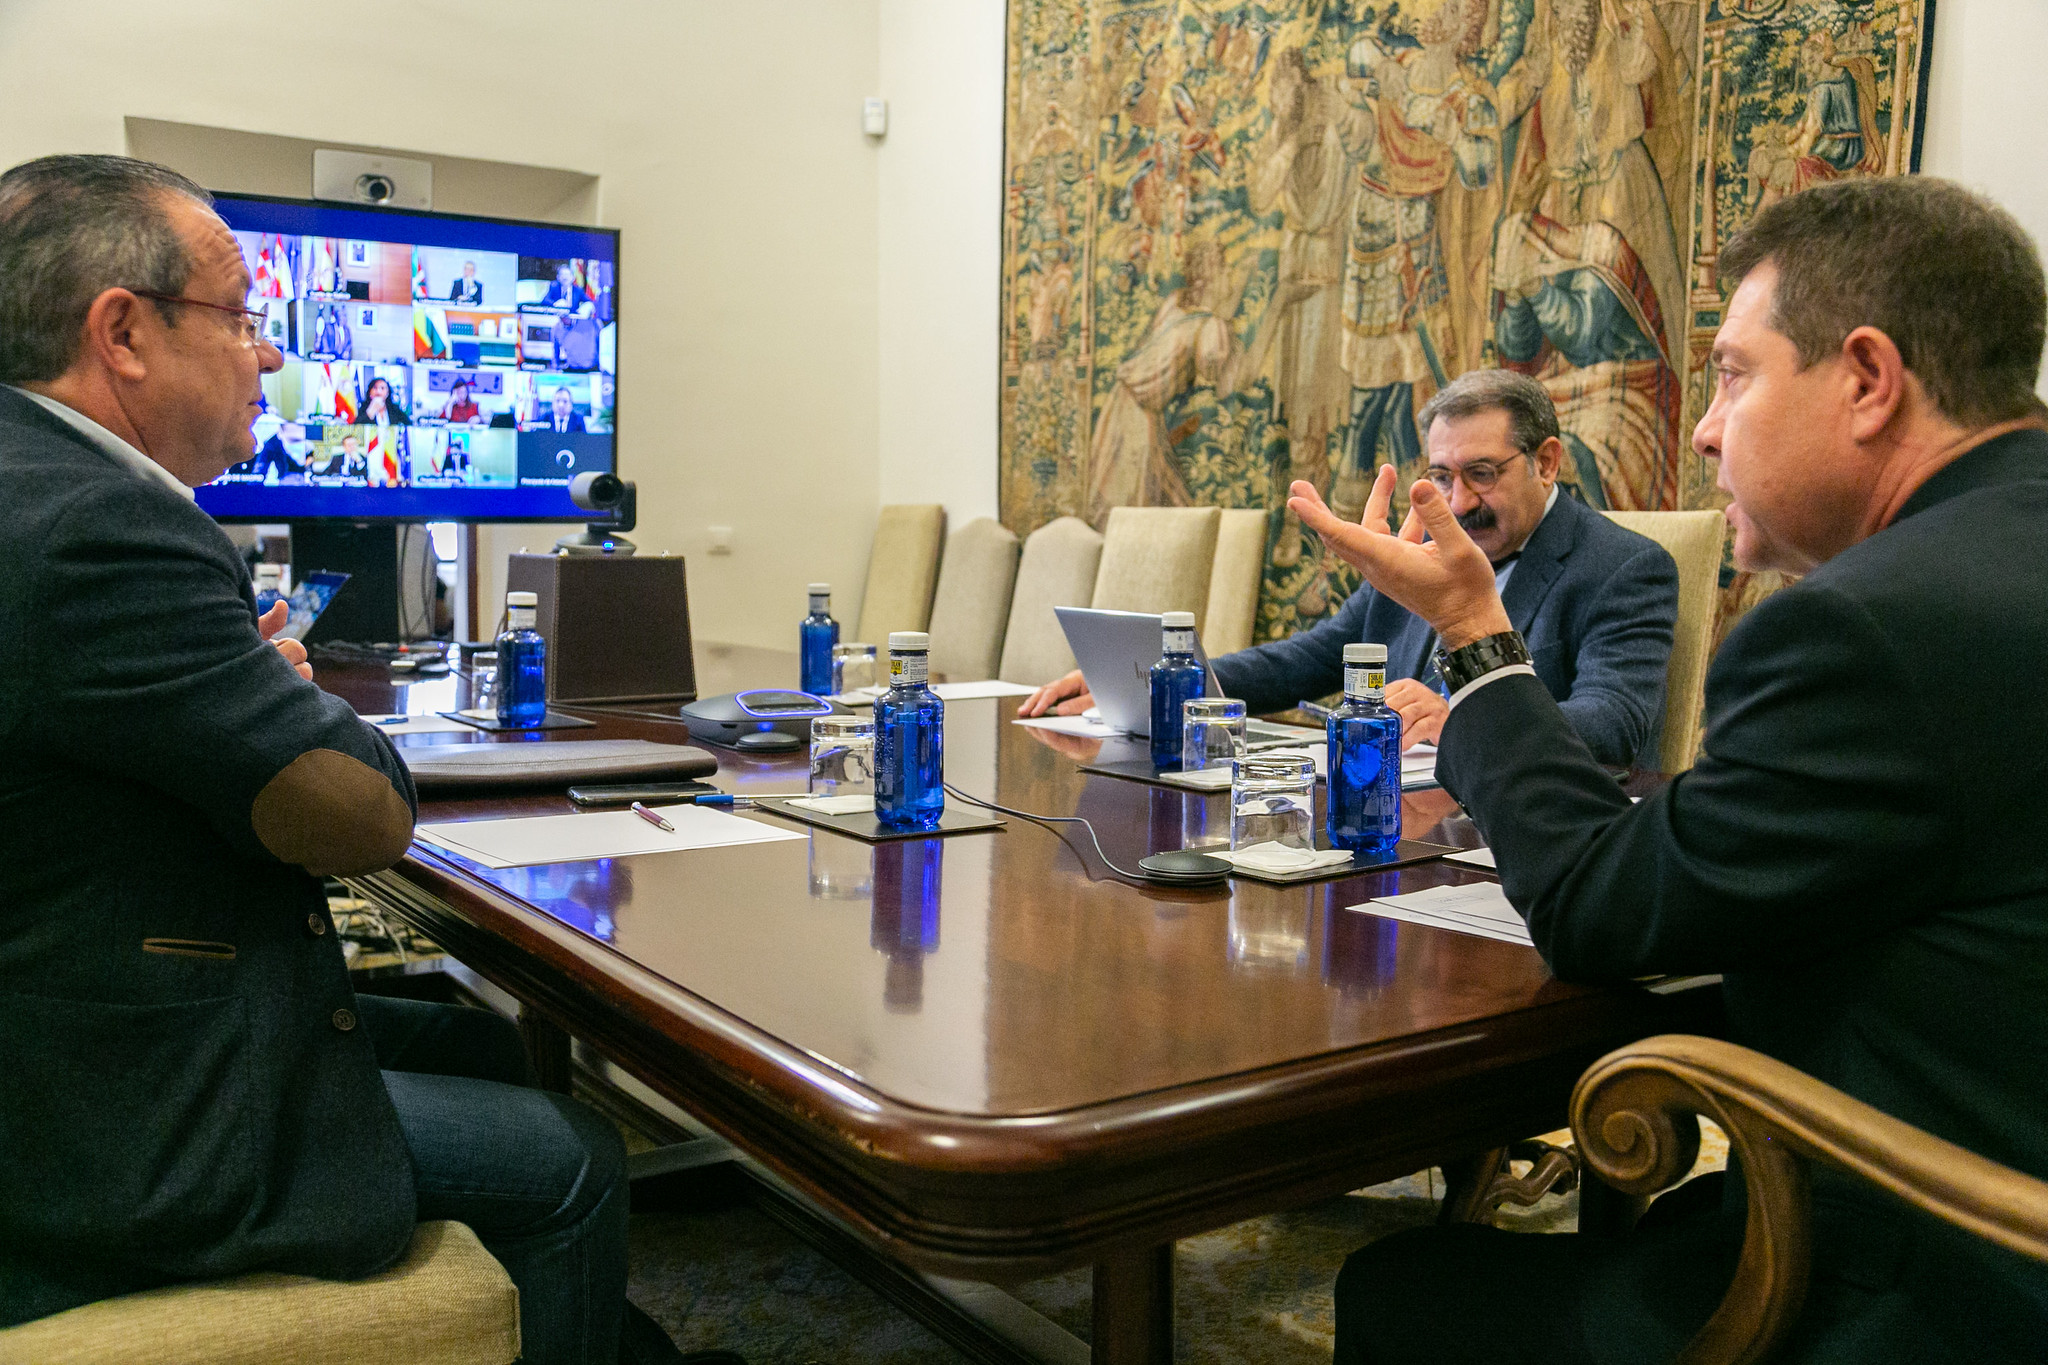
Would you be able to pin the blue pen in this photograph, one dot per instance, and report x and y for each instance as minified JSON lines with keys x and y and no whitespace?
{"x":392,"y":720}
{"x":730,"y":799}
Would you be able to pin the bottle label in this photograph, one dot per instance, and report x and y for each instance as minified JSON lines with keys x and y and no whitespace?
{"x":1179,"y":641}
{"x":821,"y":602}
{"x":1365,"y":680}
{"x":909,"y":670}
{"x":520,"y":618}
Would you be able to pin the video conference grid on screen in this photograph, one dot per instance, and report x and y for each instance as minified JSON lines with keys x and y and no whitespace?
{"x":413,"y":368}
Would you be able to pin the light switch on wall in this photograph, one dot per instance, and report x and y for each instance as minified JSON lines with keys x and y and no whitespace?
{"x":721,"y":539}
{"x":874,"y":116}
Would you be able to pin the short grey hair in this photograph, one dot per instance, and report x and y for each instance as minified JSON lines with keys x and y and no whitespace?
{"x":1532,"y":417}
{"x":71,"y":228}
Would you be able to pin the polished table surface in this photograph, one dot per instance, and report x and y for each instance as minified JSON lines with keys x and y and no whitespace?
{"x":988,"y":1054}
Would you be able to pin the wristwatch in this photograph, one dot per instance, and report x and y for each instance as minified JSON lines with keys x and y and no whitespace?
{"x":1468,"y":663}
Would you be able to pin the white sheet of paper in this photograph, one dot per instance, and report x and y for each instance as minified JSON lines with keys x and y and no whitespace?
{"x":1480,"y":908}
{"x":836,"y":805}
{"x":1202,"y":779}
{"x":1274,"y":856}
{"x":529,"y":840}
{"x":416,"y":725}
{"x":1418,"y":768}
{"x":948,"y":691}
{"x":1072,"y":725}
{"x":1473,"y":857}
{"x":1456,"y":926}
{"x":988,"y":687}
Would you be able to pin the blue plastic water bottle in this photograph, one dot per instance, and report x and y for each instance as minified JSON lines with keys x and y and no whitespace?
{"x":1365,"y":758}
{"x":522,"y":665}
{"x":815,"y":638}
{"x":910,"y":739}
{"x":1175,"y":679}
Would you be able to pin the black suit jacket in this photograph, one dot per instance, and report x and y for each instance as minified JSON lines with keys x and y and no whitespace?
{"x":1594,"y":602}
{"x":185,"y":1093}
{"x":1858,"y":850}
{"x":466,"y":291}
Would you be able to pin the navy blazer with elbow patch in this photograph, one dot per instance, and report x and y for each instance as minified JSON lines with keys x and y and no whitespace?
{"x":1594,"y":602}
{"x":186,"y":1094}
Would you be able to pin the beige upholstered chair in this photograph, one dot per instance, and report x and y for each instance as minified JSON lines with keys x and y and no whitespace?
{"x":1157,"y":559}
{"x":1234,"y":581}
{"x":1694,"y":540}
{"x":972,"y":605}
{"x":1632,"y":1122}
{"x":446,"y":1302}
{"x":1058,"y":570}
{"x":902,"y":570}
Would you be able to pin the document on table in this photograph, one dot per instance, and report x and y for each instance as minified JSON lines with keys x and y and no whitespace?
{"x":528,"y":840}
{"x":948,"y":691}
{"x":1473,"y":857}
{"x":1481,"y":908}
{"x":416,"y":725}
{"x":1418,"y":767}
{"x":1073,"y":725}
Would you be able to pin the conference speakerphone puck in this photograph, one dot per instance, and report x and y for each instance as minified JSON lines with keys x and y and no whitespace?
{"x":1184,"y":867}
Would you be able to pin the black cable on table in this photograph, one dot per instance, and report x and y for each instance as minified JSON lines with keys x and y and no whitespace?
{"x":1135,"y":878}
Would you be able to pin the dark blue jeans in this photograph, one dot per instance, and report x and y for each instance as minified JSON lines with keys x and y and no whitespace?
{"x":538,"y":1177}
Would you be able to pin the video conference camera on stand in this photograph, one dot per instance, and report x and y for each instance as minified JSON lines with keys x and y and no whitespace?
{"x":596,"y":492}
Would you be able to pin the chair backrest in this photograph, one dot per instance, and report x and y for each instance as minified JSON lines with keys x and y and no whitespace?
{"x":1157,"y":559}
{"x":972,"y":604}
{"x":1234,"y":581}
{"x":902,"y":570}
{"x":1695,"y":541}
{"x":1058,"y":570}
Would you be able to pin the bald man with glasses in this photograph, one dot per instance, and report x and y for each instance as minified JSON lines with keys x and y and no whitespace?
{"x":1594,"y":602}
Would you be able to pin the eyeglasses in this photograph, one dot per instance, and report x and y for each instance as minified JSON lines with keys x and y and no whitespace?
{"x":254,"y":321}
{"x":1479,"y":475}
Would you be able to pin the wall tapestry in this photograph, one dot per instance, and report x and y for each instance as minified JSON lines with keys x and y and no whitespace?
{"x":1243,"y":243}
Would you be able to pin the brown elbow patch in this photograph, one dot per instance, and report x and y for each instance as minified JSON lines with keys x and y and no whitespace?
{"x":333,"y":815}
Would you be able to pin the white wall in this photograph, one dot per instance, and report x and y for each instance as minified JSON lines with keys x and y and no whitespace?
{"x":1986,"y":105}
{"x":809,"y":316}
{"x":727,"y":141}
{"x":941,"y":194}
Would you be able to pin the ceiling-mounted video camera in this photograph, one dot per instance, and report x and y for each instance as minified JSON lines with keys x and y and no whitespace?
{"x":600,"y":492}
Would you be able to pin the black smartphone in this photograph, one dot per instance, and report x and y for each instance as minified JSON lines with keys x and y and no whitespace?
{"x":625,"y":793}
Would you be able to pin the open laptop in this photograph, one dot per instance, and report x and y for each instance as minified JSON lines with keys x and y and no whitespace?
{"x":1116,"y":651}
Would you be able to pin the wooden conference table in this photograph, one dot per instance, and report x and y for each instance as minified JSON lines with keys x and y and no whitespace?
{"x":990,"y":1058}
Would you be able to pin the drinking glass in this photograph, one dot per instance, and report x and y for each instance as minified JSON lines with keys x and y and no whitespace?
{"x":483,"y":681}
{"x":1211,"y":732}
{"x":843,"y":756}
{"x":1273,"y":800}
{"x":853,"y":667}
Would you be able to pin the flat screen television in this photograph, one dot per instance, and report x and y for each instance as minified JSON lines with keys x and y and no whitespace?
{"x":437,"y":367}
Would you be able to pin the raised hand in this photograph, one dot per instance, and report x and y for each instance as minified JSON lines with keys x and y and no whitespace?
{"x":269,"y":624}
{"x":1443,"y":578}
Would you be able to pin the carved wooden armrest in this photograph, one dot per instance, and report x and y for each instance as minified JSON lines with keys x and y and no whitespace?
{"x":1632,"y":1118}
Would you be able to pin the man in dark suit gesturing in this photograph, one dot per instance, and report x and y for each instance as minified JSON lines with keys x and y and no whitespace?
{"x":1858,"y":852}
{"x":1596,"y":602}
{"x":193,"y":1090}
{"x":468,"y":288}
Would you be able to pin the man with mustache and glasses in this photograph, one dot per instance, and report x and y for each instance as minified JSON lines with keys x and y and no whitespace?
{"x":1595,"y":603}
